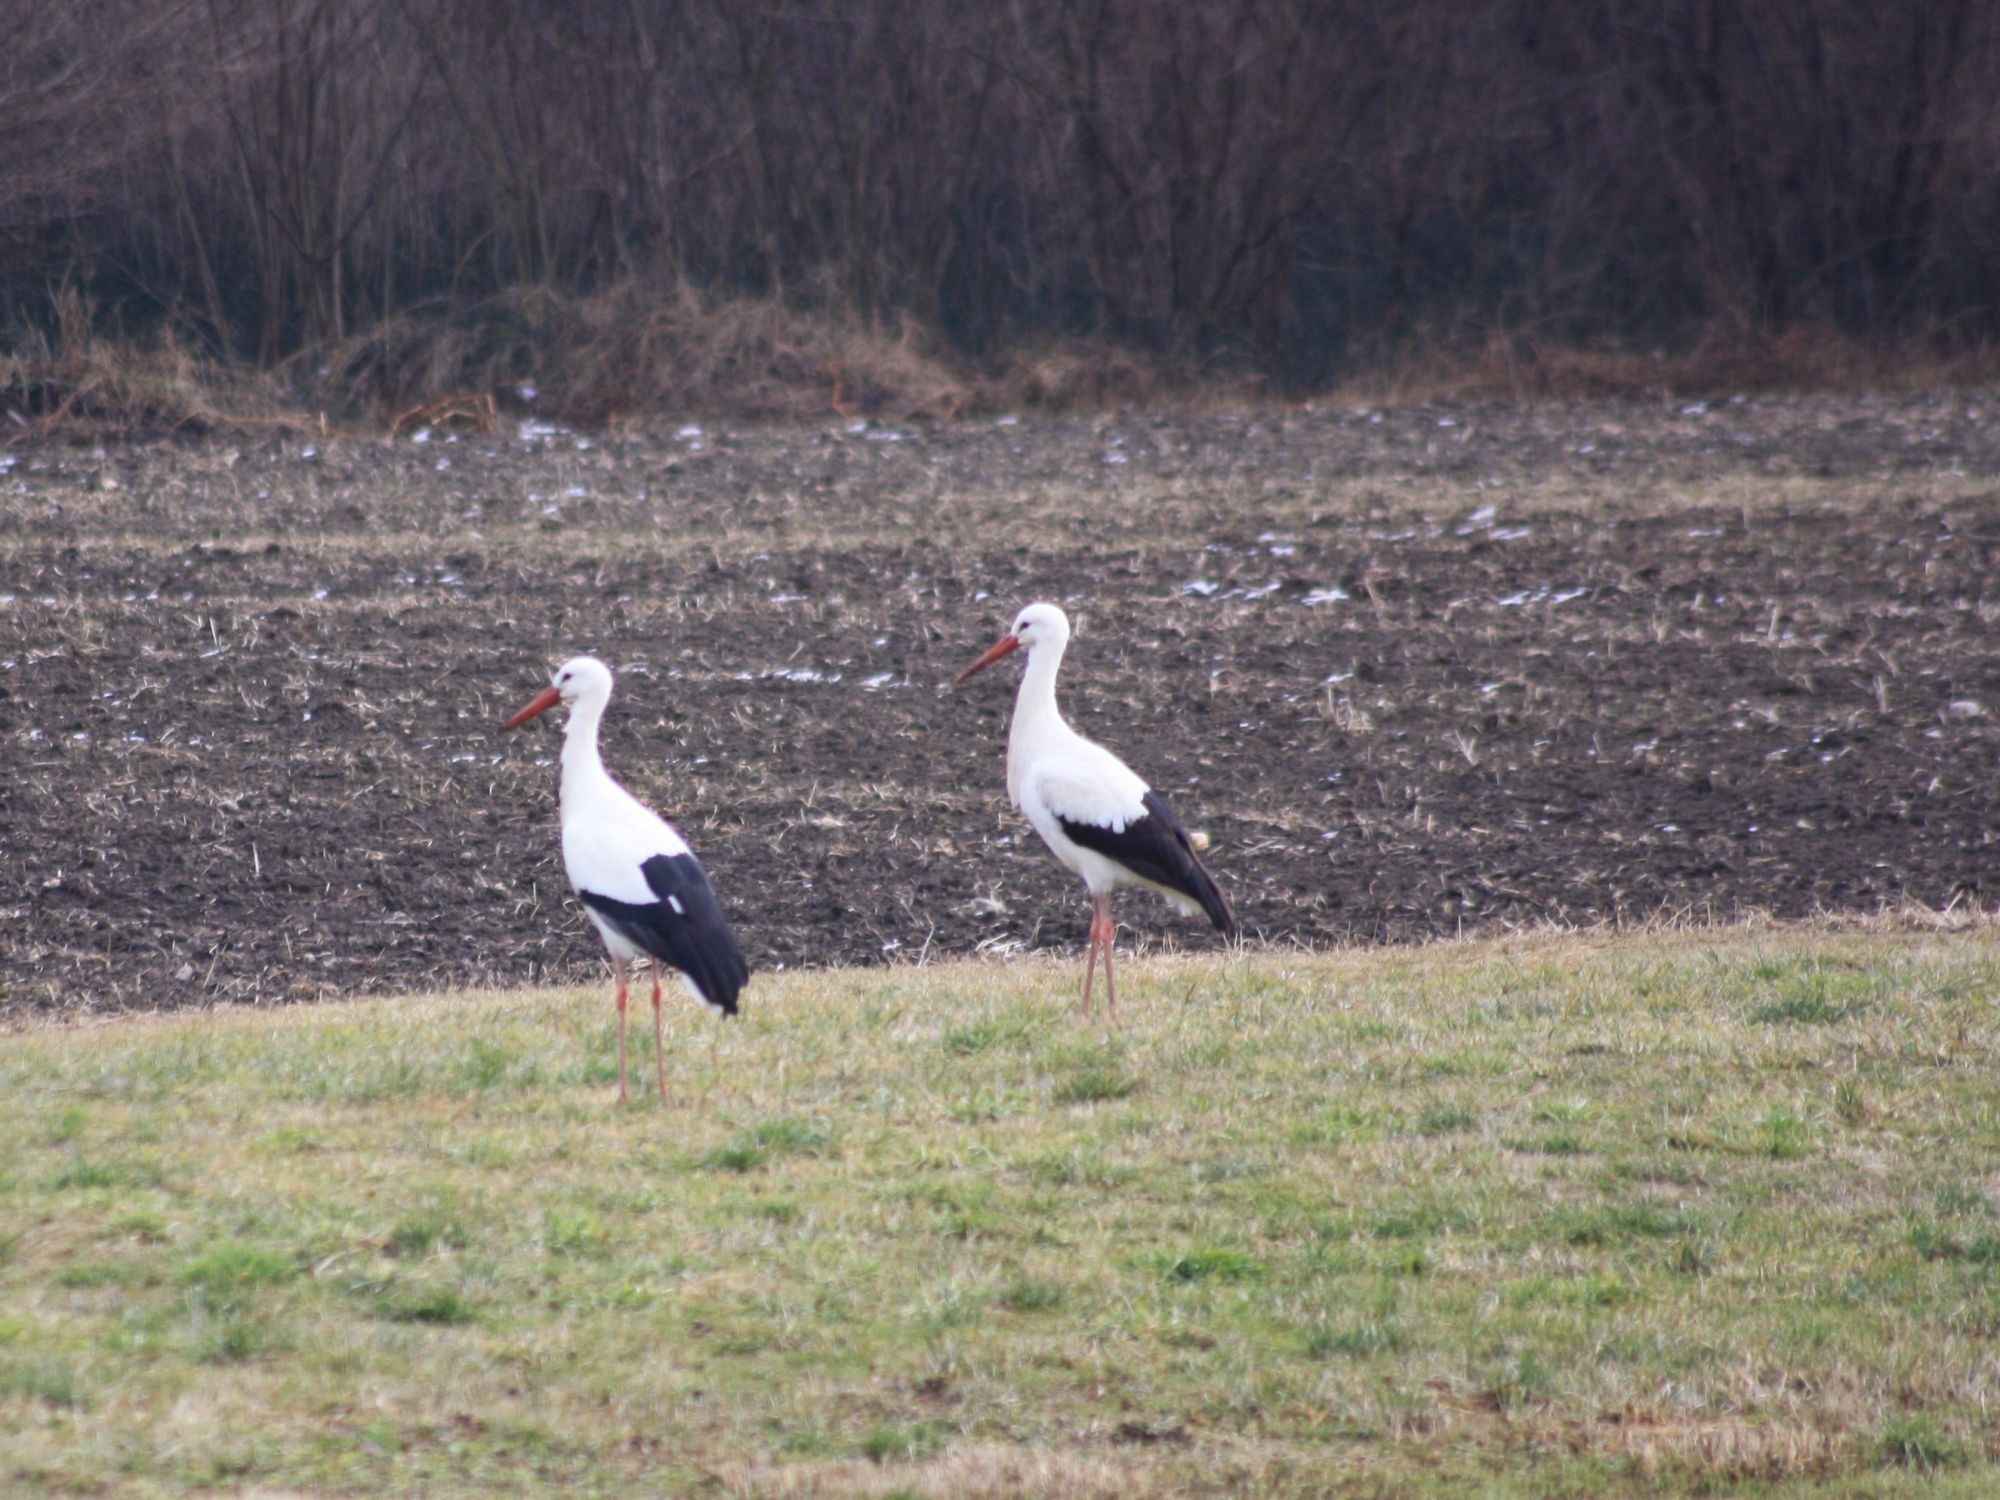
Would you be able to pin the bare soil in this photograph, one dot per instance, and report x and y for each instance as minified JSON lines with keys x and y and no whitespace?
{"x":1415,"y":672}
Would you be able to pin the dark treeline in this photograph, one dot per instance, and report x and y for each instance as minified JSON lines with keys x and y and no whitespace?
{"x":1284,"y":184}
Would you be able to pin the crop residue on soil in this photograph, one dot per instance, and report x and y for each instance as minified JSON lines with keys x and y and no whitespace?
{"x":1415,"y":672}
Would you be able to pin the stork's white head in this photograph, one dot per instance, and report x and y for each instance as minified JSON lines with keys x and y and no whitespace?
{"x":1039,"y":627}
{"x":580,"y":679}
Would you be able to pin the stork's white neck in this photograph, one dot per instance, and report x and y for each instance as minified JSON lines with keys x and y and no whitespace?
{"x":582,"y":766}
{"x":1037,"y":720}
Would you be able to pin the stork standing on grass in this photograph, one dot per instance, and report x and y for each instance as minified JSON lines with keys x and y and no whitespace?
{"x":1093,"y":811}
{"x":645,"y":892}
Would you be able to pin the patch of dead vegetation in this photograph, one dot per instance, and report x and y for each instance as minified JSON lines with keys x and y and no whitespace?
{"x":644,"y":347}
{"x":657,"y":348}
{"x":980,"y":1472}
{"x":66,"y":384}
{"x":1722,"y":360}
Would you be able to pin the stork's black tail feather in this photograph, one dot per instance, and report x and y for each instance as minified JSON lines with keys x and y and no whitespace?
{"x":1159,"y":850}
{"x":684,"y":928}
{"x":1209,"y":894}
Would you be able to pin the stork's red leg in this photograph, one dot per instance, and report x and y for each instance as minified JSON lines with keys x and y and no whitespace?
{"x":659,"y":1043}
{"x":1090,"y":967}
{"x":618,"y":973}
{"x":1108,"y":930}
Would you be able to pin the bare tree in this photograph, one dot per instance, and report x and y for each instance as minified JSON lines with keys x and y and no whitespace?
{"x":1267,"y":182}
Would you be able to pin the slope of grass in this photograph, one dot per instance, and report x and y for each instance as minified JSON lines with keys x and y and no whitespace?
{"x":1697,"y":1214}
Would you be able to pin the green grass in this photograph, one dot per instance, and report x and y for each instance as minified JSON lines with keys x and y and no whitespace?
{"x":1694,"y":1214}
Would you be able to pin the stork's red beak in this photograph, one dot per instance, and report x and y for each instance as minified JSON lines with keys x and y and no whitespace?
{"x":1001,"y":647}
{"x":541,"y":703}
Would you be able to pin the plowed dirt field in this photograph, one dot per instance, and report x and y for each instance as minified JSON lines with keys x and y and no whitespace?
{"x":1415,"y":672}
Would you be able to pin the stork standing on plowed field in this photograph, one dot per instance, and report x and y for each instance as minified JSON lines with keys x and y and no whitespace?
{"x":1093,"y":811}
{"x":645,"y":892}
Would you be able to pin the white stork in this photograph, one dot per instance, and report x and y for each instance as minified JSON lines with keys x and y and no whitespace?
{"x":635,"y":875}
{"x":1093,"y":811}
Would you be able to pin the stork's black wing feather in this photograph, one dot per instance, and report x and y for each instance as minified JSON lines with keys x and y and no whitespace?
{"x":684,"y":928}
{"x":1157,"y":848}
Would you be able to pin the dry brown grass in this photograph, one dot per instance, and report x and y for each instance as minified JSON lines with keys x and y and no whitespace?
{"x":1528,"y":367}
{"x":655,"y":348}
{"x":64,"y":381}
{"x":977,"y":1473}
{"x":652,"y":348}
{"x":1080,"y":375}
{"x":645,"y":347}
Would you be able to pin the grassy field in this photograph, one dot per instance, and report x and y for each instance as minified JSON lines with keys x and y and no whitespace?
{"x":1684,"y":1213}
